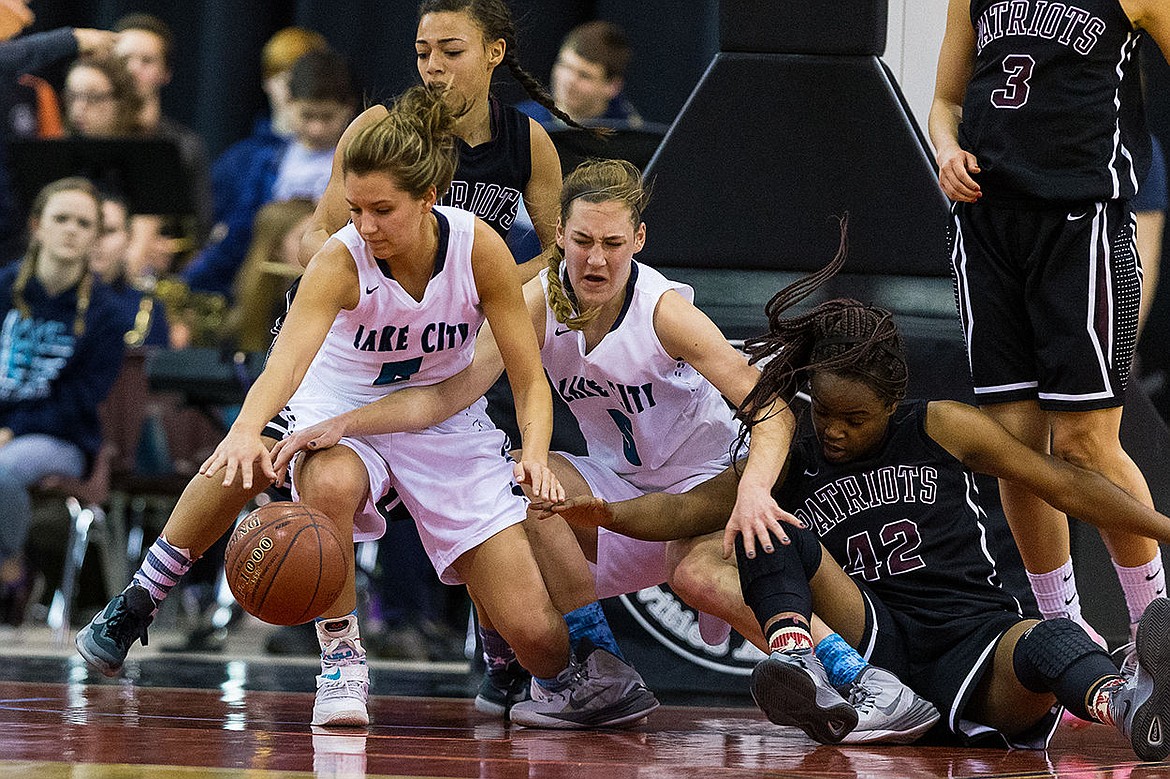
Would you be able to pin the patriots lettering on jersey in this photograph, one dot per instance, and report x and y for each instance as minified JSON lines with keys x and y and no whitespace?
{"x":1062,"y":22}
{"x":436,"y":337}
{"x":847,"y":496}
{"x":490,"y":202}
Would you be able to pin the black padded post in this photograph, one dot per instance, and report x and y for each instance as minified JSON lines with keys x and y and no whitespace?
{"x":779,"y":27}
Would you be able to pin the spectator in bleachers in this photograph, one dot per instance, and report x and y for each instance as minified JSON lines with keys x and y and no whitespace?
{"x":28,"y":105}
{"x":61,"y":345}
{"x":322,"y":99}
{"x":100,"y":99}
{"x":274,"y":130}
{"x":145,"y":43}
{"x":588,"y":78}
{"x":145,"y":317}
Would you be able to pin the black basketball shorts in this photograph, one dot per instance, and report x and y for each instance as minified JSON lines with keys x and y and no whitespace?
{"x":944,"y":663}
{"x":1048,"y":300}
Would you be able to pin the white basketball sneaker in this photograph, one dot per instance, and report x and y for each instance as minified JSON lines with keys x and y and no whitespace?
{"x":343,"y":686}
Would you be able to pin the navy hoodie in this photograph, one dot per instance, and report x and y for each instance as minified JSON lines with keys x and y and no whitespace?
{"x":51,"y":381}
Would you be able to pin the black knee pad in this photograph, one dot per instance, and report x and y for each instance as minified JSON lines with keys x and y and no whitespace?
{"x":1048,"y":649}
{"x":777,"y":582}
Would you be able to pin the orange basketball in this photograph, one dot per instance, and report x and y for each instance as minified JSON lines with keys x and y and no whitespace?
{"x":285,"y":563}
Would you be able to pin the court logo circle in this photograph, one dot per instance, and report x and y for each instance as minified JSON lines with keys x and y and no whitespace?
{"x":675,"y":625}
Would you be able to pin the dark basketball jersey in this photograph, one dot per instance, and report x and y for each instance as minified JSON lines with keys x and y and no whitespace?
{"x":907,"y":522}
{"x":1053,"y":109}
{"x":491,"y":177}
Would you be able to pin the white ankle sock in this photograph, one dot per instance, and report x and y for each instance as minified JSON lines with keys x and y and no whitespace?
{"x":1056,"y":593}
{"x":1141,"y":584}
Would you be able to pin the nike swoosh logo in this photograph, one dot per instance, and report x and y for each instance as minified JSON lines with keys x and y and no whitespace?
{"x":811,"y":472}
{"x":1066,"y":578}
{"x":1154,"y":575}
{"x":560,"y":331}
{"x":1075,"y":217}
{"x":332,"y":676}
{"x":581,"y":701}
{"x":1068,"y":601}
{"x":369,"y":290}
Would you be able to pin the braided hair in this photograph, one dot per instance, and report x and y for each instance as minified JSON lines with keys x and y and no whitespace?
{"x":843,"y":336}
{"x":29,"y":263}
{"x":593,"y":181}
{"x":495,"y":21}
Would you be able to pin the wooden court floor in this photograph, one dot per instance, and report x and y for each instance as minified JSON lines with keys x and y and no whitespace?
{"x":203,"y":716}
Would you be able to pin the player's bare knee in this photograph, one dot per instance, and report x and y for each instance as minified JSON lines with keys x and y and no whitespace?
{"x":1087,"y":449}
{"x":532,"y":632}
{"x":686,"y":571}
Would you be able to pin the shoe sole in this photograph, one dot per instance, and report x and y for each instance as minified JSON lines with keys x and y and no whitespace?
{"x":629,"y":711}
{"x":485,"y":706}
{"x":1148,"y":732}
{"x":344,"y":719}
{"x":885,"y":736}
{"x":789,"y":697}
{"x":93,"y":661}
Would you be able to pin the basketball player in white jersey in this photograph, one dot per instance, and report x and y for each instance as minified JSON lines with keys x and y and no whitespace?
{"x":394,"y":300}
{"x":643,"y":370}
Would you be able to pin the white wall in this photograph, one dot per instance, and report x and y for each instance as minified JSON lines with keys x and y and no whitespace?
{"x":913,"y":39}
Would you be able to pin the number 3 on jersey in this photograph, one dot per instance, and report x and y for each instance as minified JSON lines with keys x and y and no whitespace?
{"x":1015,"y":90}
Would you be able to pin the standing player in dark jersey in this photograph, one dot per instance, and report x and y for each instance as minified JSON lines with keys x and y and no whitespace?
{"x":503,"y":155}
{"x":887,"y":488}
{"x":1040,"y":138}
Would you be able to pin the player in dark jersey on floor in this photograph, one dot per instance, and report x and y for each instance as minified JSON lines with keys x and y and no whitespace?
{"x":887,"y":487}
{"x":1040,"y":137}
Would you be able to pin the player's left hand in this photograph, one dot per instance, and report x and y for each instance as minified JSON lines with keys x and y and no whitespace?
{"x":544,"y":488}
{"x":319,"y":436}
{"x":759,"y":519}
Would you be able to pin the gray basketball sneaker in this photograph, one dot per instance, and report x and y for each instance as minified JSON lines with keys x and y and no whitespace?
{"x":1141,"y":706}
{"x":792,"y":688}
{"x":601,"y":692}
{"x":502,"y":688}
{"x":888,"y":712}
{"x":106,"y":640}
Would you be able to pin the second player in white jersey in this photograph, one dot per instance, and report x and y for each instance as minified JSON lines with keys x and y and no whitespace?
{"x":645,"y":414}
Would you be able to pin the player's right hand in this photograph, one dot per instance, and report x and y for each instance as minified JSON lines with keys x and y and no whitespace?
{"x":955,"y":176}
{"x":239,"y":452}
{"x":579,"y":510}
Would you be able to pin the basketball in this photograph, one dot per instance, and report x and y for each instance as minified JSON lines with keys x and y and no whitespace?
{"x":285,"y":563}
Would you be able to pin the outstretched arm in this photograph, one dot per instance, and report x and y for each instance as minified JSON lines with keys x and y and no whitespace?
{"x":412,"y":408}
{"x":983,"y":445}
{"x":687,"y":333}
{"x":657,"y":516}
{"x":512,"y":325}
{"x":330,"y":284}
{"x":955,"y":63}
